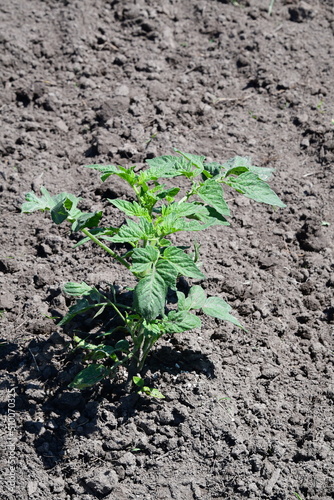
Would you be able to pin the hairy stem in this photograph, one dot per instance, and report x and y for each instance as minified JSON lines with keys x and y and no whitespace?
{"x":188,"y":194}
{"x":144,"y":352}
{"x":117,"y":310}
{"x":105,"y":248}
{"x":137,"y":354}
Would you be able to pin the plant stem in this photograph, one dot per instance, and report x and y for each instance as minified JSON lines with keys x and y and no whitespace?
{"x":117,"y":310}
{"x":188,"y":193}
{"x":136,"y":355}
{"x":146,"y":347}
{"x":105,"y":248}
{"x":185,"y":197}
{"x":144,"y":352}
{"x":270,"y":8}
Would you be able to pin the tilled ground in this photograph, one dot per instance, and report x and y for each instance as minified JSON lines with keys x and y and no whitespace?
{"x":246,"y":414}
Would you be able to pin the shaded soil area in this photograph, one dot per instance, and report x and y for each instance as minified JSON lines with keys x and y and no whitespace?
{"x":247,"y":414}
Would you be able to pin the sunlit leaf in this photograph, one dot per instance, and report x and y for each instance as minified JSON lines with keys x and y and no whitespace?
{"x":133,"y":231}
{"x":166,"y":166}
{"x":253,"y":187}
{"x":143,"y":259}
{"x":183,"y":209}
{"x":168,"y":193}
{"x":213,"y":168}
{"x":87,"y":220}
{"x":130,"y":207}
{"x":181,"y":321}
{"x":195,"y":160}
{"x":184,"y":264}
{"x":212,"y":193}
{"x":196,"y":298}
{"x":106,"y":170}
{"x":150,"y":293}
{"x":239,"y":165}
{"x":65,"y":207}
{"x":154,"y":393}
{"x":76,"y":289}
{"x":218,"y":308}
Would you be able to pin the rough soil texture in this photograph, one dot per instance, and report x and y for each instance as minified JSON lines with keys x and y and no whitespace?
{"x":246,"y":414}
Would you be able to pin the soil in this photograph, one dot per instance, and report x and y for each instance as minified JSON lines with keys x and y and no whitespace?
{"x":247,"y":414}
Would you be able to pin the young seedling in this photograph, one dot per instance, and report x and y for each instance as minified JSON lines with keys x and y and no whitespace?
{"x":157,"y":212}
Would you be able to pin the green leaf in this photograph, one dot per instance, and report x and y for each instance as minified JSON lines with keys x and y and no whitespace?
{"x":181,"y":321}
{"x":140,"y":383}
{"x":218,"y":308}
{"x":70,"y":201}
{"x":166,"y":166}
{"x":128,"y":175}
{"x":130,"y":208}
{"x":148,"y":199}
{"x":82,"y":242}
{"x":80,"y":307}
{"x":181,"y":301}
{"x":47,"y":196}
{"x":236,"y":162}
{"x":102,"y":352}
{"x":60,"y":212}
{"x":239,"y":165}
{"x":213,"y":168}
{"x":87,"y":220}
{"x":122,"y":345}
{"x":105,"y":351}
{"x":196,"y":298}
{"x":164,"y":243}
{"x":253,"y":187}
{"x":154,"y":393}
{"x":65,"y":207}
{"x":167,"y":271}
{"x":169,"y":194}
{"x":153,"y":328}
{"x":150,"y":292}
{"x":150,"y":296}
{"x":170,"y":225}
{"x":143,"y":258}
{"x":97,"y":351}
{"x":212,"y":193}
{"x":89,"y":376}
{"x":171,"y":166}
{"x":77,"y":289}
{"x":132,"y":231}
{"x":213,"y":217}
{"x":195,"y":160}
{"x":106,"y":170}
{"x":182,"y":262}
{"x":34,"y":203}
{"x":183,"y":209}
{"x":173,"y":223}
{"x":64,"y":203}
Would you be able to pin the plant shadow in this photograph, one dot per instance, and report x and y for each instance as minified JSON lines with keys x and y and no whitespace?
{"x":50,"y":415}
{"x":174,"y":361}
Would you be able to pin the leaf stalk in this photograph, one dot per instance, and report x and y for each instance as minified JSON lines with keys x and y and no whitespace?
{"x":105,"y":248}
